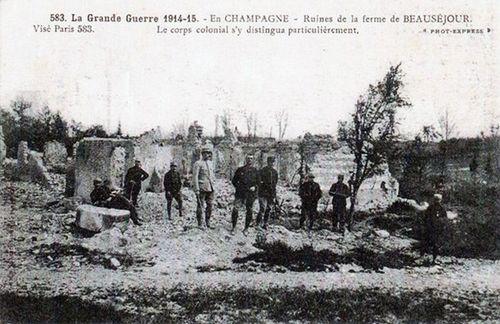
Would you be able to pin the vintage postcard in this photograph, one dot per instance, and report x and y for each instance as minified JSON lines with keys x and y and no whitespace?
{"x":249,"y":161}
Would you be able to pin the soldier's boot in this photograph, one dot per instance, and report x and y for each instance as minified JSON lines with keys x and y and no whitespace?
{"x":169,"y":211}
{"x":234,"y":219}
{"x":208,"y":214}
{"x":180,"y":208}
{"x":248,"y":220}
{"x":335,"y":223}
{"x":198,"y":218}
{"x":207,"y":221}
{"x":266,"y":218}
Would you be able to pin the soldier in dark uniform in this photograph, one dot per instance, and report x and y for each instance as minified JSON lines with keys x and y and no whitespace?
{"x":173,"y":185}
{"x":433,"y":220}
{"x":246,"y":182}
{"x":340,"y":192}
{"x":268,"y":179}
{"x":133,"y":179}
{"x":103,"y":196}
{"x":310,"y":193}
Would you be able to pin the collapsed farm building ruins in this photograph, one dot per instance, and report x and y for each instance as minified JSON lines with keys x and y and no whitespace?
{"x":88,"y":263}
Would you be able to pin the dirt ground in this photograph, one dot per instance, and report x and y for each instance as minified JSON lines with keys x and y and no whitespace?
{"x":172,"y":271}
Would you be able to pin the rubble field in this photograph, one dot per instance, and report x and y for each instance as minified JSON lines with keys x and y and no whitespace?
{"x":173,"y":271}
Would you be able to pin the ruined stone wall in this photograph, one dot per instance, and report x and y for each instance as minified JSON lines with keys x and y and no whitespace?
{"x":103,"y":158}
{"x":326,"y":166}
{"x":156,"y":158}
{"x":29,"y":166}
{"x":54,"y":155}
{"x":325,"y":158}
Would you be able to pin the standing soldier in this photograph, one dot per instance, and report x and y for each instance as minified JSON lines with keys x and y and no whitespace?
{"x":133,"y":179}
{"x":433,"y":224}
{"x":172,"y":183}
{"x":203,"y":185}
{"x":245,"y":181}
{"x":310,"y":194}
{"x":340,"y":192}
{"x":268,"y":179}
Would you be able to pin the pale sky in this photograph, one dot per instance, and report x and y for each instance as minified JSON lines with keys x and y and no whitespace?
{"x":130,"y":73}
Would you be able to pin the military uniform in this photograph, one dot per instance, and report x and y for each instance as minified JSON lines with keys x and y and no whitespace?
{"x":268,"y":179}
{"x":133,"y":179}
{"x":203,"y":185}
{"x":103,"y":197}
{"x":340,"y":192}
{"x":244,"y":178}
{"x":310,"y":193}
{"x":172,"y":183}
{"x":433,"y":227}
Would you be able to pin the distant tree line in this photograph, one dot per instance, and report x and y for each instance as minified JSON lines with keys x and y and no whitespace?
{"x":24,"y":123}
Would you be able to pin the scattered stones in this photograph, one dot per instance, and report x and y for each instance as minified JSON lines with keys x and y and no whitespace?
{"x":10,"y":168}
{"x":382,"y":233}
{"x":451,"y":215}
{"x":114,"y":263}
{"x":29,"y":167}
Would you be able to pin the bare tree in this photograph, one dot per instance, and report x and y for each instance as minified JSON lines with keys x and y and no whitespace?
{"x":447,"y":130}
{"x":447,"y":126}
{"x":282,"y":122}
{"x":255,"y":125}
{"x":371,"y":133}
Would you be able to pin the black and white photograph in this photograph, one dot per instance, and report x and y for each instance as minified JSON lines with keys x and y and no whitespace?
{"x":249,"y":162}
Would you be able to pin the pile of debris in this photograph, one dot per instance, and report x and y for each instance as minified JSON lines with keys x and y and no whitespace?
{"x":30,"y":166}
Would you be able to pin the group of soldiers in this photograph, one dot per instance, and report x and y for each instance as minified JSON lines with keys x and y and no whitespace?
{"x":250,"y":184}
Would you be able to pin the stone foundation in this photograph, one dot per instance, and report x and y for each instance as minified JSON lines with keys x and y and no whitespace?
{"x":97,"y":219}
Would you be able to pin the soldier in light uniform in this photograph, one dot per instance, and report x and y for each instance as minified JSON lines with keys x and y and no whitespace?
{"x":204,"y":185}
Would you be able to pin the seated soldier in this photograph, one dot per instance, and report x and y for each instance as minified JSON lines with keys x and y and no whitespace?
{"x":103,"y":196}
